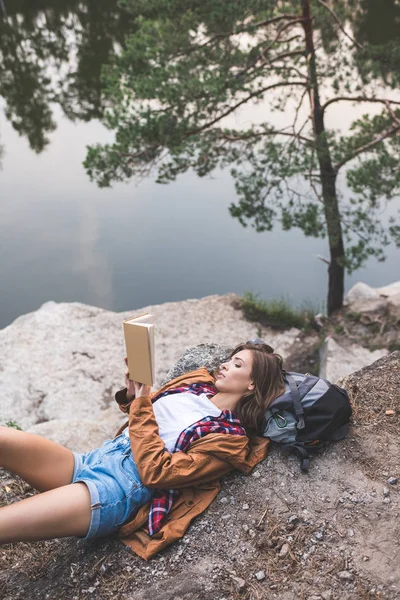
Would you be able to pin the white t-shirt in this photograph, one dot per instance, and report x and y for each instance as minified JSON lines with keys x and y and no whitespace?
{"x":175,"y":412}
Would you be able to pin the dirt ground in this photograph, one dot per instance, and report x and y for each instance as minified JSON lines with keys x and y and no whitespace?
{"x":331,"y":534}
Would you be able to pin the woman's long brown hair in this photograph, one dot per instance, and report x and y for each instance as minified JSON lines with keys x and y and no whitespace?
{"x":267,"y":376}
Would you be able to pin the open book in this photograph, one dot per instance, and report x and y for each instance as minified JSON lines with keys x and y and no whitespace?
{"x":139,"y":342}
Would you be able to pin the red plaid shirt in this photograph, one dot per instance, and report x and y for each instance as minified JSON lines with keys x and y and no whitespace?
{"x":225,"y":423}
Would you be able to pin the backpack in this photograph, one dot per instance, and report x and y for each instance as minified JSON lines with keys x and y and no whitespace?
{"x":310,"y":413}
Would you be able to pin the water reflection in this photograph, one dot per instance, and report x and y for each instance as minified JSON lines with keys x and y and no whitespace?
{"x":52,"y":52}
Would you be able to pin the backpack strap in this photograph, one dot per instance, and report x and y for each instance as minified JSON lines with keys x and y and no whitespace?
{"x":298,"y":408}
{"x":302,"y":453}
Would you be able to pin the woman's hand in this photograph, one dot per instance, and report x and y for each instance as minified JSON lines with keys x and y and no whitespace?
{"x":134,"y":389}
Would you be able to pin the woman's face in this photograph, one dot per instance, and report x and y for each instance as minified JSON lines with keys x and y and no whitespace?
{"x":234,"y":375}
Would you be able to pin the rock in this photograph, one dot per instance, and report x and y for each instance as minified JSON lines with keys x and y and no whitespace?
{"x":385,"y":491}
{"x":284,"y":551}
{"x":203,"y":355}
{"x":345,"y":576}
{"x":364,"y":299}
{"x":392,"y":480}
{"x":390,"y":291}
{"x":245,"y":507}
{"x":293,"y":520}
{"x":326,"y":595}
{"x":240,"y":583}
{"x":337,"y":361}
{"x":389,"y":412}
{"x":260,"y":575}
{"x":81,"y":435}
{"x":360,"y":291}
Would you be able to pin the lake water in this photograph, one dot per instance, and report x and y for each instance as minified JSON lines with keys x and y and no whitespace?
{"x":63,"y":239}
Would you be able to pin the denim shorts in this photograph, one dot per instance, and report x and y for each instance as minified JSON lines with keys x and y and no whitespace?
{"x":116,"y":491}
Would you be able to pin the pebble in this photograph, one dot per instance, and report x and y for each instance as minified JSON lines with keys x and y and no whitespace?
{"x":319,"y":535}
{"x":240,"y":583}
{"x":294,"y":520}
{"x":284,"y":551}
{"x":256,"y":474}
{"x":224,"y":500}
{"x":386,"y":500}
{"x":392,"y":480}
{"x":260,"y":575}
{"x":326,"y":595}
{"x":350,"y":532}
{"x":245,"y":507}
{"x":385,"y":491}
{"x":345,"y":575}
{"x":389,"y":412}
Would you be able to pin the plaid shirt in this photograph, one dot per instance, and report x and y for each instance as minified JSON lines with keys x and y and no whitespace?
{"x":225,"y":423}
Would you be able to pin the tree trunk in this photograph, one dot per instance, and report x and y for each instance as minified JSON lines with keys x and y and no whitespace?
{"x":327,"y":173}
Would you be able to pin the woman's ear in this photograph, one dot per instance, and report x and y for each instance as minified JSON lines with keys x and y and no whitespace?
{"x":251,"y":386}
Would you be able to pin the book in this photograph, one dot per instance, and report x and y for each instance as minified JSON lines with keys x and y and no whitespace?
{"x":139,"y":342}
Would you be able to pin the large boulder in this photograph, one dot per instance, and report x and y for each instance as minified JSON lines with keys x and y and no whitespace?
{"x":338,"y":360}
{"x":64,"y":362}
{"x":363,"y":298}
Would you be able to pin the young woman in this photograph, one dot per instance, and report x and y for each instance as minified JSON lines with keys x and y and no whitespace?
{"x":162,"y":468}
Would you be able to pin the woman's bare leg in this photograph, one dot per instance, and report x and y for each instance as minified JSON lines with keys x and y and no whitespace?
{"x":42,"y":463}
{"x":60,"y":512}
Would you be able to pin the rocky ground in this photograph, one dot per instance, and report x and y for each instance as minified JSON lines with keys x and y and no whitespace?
{"x":278,"y":533}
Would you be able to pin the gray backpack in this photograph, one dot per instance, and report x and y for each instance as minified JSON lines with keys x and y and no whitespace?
{"x":310,"y":413}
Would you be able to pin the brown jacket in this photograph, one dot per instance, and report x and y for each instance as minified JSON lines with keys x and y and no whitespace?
{"x":195,"y":472}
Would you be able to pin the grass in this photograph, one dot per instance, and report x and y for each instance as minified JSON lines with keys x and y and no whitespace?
{"x":277,"y":313}
{"x":13,"y":424}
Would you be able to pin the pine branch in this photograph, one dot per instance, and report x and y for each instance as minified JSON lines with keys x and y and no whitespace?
{"x":357,"y":99}
{"x":249,"y":97}
{"x":238,"y":138}
{"x":368,"y":146}
{"x":220,"y":36}
{"x":338,"y":21}
{"x":391,"y":112}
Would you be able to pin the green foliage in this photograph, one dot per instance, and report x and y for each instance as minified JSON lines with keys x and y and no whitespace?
{"x":13,"y":424}
{"x":276,"y":313}
{"x":191,"y":66}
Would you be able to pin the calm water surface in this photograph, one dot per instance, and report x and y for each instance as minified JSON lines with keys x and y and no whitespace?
{"x":63,"y":239}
